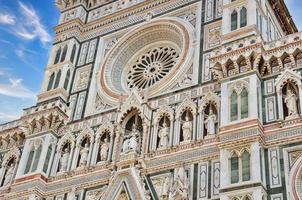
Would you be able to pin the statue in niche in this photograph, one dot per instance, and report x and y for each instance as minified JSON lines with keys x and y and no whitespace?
{"x":210,"y":122}
{"x":187,"y":129}
{"x":104,"y":150}
{"x":180,"y":188}
{"x":84,"y":155}
{"x":64,"y":160}
{"x":9,"y":175}
{"x":164,"y":136}
{"x":133,"y":141}
{"x":291,"y":103}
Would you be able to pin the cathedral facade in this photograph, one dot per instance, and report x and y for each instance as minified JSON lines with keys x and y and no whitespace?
{"x":163,"y":100}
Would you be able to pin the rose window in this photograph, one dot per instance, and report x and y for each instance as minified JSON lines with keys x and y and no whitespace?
{"x":151,"y":67}
{"x":150,"y":58}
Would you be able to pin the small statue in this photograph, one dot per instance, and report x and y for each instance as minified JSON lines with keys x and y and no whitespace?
{"x":9,"y":175}
{"x":164,"y":136}
{"x":210,"y":123}
{"x":187,"y":129}
{"x":133,"y":141}
{"x":104,"y":150}
{"x":64,"y":160}
{"x":291,"y":103}
{"x":84,"y":155}
{"x":126,"y":145}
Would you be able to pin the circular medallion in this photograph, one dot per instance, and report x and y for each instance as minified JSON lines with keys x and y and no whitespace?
{"x":151,"y":57}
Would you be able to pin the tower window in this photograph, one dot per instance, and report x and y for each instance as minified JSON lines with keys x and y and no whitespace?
{"x":243,"y":17}
{"x":234,"y":20}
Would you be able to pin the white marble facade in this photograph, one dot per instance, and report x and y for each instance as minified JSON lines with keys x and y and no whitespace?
{"x":162,"y":100}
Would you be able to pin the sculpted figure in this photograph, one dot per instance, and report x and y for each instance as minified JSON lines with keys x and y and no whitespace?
{"x":126,"y":145}
{"x":9,"y":175}
{"x":164,"y":136}
{"x":133,"y":141}
{"x":165,"y":188}
{"x":187,"y":129}
{"x":84,"y":155}
{"x":291,"y":103}
{"x":210,"y":123}
{"x":104,"y":150}
{"x":64,"y":160}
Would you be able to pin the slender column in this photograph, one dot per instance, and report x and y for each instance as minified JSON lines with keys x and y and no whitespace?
{"x":55,"y":163}
{"x":51,"y":160}
{"x":71,"y":156}
{"x":224,"y":168}
{"x":109,"y":157}
{"x":90,"y":152}
{"x":194,"y":126}
{"x":95,"y":151}
{"x":171,"y":132}
{"x":255,"y":158}
{"x":145,"y":139}
{"x":280,"y":108}
{"x":154,"y":138}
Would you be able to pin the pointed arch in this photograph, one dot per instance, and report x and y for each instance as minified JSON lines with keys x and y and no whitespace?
{"x":187,"y":104}
{"x":57,"y":82}
{"x":58,"y":54}
{"x":51,"y":81}
{"x":64,"y":53}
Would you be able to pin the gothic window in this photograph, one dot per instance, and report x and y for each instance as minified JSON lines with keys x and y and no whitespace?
{"x":234,"y":168}
{"x":234,"y":20}
{"x":243,"y":17}
{"x":8,"y":173}
{"x":234,"y":106}
{"x":73,"y":52}
{"x":240,"y":167}
{"x":244,"y":104}
{"x":47,"y":160}
{"x":36,"y":158}
{"x":58,"y":54}
{"x":67,"y":79}
{"x":29,"y":161}
{"x":246,"y":171}
{"x":50,"y":82}
{"x":239,"y":104}
{"x":298,"y":58}
{"x":58,"y":77}
{"x":64,"y":53}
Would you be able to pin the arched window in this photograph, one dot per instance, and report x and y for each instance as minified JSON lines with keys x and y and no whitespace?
{"x":234,"y":168}
{"x":57,"y":58}
{"x":244,"y":104}
{"x":73,"y":52}
{"x":67,"y":80}
{"x":47,"y":160}
{"x":36,"y":159}
{"x":234,"y":106}
{"x":64,"y":54}
{"x":234,"y":20}
{"x":29,"y":161}
{"x":50,"y":82}
{"x":246,"y":173}
{"x":57,"y":79}
{"x":243,"y":17}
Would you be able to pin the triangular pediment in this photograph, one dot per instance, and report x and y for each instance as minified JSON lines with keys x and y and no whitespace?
{"x":285,"y":76}
{"x":126,"y":185}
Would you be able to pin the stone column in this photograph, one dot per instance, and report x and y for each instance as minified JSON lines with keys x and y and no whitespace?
{"x":95,"y":151}
{"x":224,"y":168}
{"x":194,"y":126}
{"x":153,"y":144}
{"x":145,"y":138}
{"x":280,"y":104}
{"x":255,"y":158}
{"x":56,"y":161}
{"x":90,"y":151}
{"x":71,"y":156}
{"x":171,"y":132}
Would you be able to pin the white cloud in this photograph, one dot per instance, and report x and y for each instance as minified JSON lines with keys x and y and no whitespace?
{"x":7,"y":19}
{"x":15,"y":88}
{"x":7,"y":117}
{"x":31,"y":27}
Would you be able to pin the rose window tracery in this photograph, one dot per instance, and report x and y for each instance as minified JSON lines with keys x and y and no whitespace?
{"x":151,"y":67}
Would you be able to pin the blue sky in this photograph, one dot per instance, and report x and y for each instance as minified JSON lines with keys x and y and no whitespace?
{"x":26,"y":34}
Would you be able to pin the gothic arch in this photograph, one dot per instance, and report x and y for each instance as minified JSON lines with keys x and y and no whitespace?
{"x":106,"y":127}
{"x":12,"y":154}
{"x":208,"y":98}
{"x":88,"y":133}
{"x":187,"y":104}
{"x":295,"y":180}
{"x":164,"y":111}
{"x":67,"y":138}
